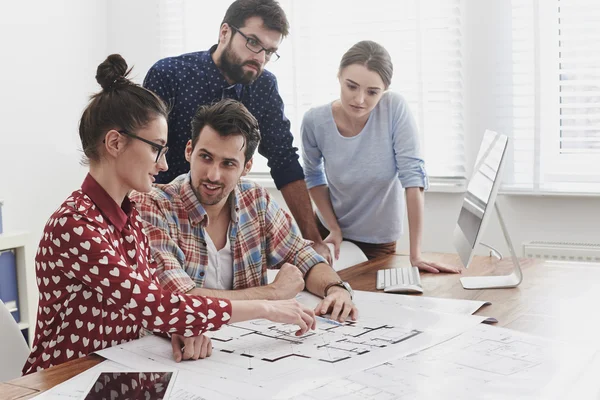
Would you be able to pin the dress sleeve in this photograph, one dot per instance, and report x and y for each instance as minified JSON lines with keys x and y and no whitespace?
{"x":86,"y":253}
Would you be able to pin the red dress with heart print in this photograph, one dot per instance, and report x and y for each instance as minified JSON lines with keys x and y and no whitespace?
{"x":97,"y":283}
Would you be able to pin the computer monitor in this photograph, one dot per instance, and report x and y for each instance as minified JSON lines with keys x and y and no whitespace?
{"x":477,"y":208}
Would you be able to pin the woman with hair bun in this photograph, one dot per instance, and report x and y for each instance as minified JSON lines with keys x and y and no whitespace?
{"x":95,"y":274}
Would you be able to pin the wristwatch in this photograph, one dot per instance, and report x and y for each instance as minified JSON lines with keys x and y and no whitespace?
{"x":341,"y":284}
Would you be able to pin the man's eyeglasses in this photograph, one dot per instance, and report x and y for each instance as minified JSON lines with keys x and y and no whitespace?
{"x":254,"y":46}
{"x":161,"y":150}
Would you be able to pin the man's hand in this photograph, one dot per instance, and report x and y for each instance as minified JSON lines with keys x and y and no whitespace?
{"x":322,"y":249}
{"x":337,"y":303}
{"x":433,"y":267}
{"x":191,"y":348}
{"x":288,"y":282}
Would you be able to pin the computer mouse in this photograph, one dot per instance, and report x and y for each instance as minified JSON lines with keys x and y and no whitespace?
{"x":403,"y":289}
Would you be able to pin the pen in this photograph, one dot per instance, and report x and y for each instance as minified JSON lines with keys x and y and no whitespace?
{"x":328,"y":321}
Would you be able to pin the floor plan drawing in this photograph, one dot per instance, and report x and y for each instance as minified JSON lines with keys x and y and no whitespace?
{"x":498,"y":362}
{"x":268,"y":342}
{"x":261,"y":358}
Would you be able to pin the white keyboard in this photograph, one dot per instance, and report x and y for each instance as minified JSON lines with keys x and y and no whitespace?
{"x":399,"y":280}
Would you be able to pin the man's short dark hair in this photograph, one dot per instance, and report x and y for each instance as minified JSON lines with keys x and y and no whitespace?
{"x":270,"y":11}
{"x":229,"y":118}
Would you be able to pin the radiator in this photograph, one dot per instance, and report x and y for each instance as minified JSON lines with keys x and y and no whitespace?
{"x":586,"y":252}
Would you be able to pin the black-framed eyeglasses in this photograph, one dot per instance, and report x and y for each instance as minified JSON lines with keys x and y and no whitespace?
{"x":254,"y":46}
{"x":162,"y":150}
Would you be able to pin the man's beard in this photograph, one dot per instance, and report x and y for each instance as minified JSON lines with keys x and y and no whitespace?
{"x":209,"y":201}
{"x":233,"y":69}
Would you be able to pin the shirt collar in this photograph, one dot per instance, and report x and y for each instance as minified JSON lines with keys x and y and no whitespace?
{"x":196,"y":213}
{"x":118,"y":216}
{"x":219,"y":86}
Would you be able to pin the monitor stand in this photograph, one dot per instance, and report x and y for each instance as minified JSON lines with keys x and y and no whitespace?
{"x":502,"y":281}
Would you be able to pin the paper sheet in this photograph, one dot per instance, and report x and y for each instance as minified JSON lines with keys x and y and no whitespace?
{"x":261,"y":359}
{"x":485,"y":362}
{"x":371,"y":301}
{"x":377,"y":305}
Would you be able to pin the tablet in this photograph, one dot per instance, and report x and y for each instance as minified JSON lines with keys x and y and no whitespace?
{"x":131,"y":385}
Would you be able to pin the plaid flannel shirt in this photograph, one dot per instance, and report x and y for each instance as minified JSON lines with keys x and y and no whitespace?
{"x":262,"y":235}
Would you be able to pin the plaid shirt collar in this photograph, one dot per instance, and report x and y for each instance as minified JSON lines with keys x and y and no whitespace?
{"x":196,"y":212}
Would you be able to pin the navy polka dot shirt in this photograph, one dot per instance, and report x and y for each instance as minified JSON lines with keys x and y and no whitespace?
{"x":190,"y":80}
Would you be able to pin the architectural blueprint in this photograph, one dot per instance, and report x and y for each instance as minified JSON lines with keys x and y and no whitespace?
{"x":261,"y":359}
{"x":485,"y":362}
{"x":266,"y":342}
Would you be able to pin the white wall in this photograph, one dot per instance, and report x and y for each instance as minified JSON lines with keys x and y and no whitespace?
{"x":50,"y":51}
{"x":133,"y":31}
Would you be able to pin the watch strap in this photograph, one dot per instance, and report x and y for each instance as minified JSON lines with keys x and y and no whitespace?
{"x":329,"y":286}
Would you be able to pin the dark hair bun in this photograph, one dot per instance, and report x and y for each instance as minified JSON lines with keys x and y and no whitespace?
{"x":112,"y":73}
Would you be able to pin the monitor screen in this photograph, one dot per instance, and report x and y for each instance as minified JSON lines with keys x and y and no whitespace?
{"x":481,"y":185}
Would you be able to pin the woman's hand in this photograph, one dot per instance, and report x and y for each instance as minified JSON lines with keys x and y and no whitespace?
{"x":335,"y":238}
{"x":191,"y":348}
{"x":433,"y":267}
{"x":291,"y":312}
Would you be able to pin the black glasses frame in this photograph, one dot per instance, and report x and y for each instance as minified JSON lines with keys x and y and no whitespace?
{"x":268,"y":53}
{"x":162,"y":150}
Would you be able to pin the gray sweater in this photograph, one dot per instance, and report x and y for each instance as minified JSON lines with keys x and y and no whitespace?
{"x":366,"y":173}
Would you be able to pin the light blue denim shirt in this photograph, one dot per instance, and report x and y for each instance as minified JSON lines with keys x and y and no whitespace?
{"x":366,"y":173}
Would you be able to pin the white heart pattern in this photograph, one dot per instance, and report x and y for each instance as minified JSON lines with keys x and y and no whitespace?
{"x":211,"y":313}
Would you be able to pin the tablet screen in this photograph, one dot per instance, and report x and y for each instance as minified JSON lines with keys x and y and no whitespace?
{"x":131,"y":385}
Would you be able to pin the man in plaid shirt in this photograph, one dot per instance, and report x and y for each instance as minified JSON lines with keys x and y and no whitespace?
{"x":213,"y":234}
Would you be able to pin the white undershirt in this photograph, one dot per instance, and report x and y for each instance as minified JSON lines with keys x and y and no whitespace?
{"x":219,"y":272}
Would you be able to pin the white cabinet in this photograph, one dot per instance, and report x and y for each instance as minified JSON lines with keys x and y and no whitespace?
{"x":25,"y":279}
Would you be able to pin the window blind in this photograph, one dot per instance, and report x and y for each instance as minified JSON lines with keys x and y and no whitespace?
{"x":172,"y":27}
{"x":579,"y":77}
{"x":555,"y":97}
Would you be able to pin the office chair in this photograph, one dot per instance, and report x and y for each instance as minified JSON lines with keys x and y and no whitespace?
{"x":13,"y":348}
